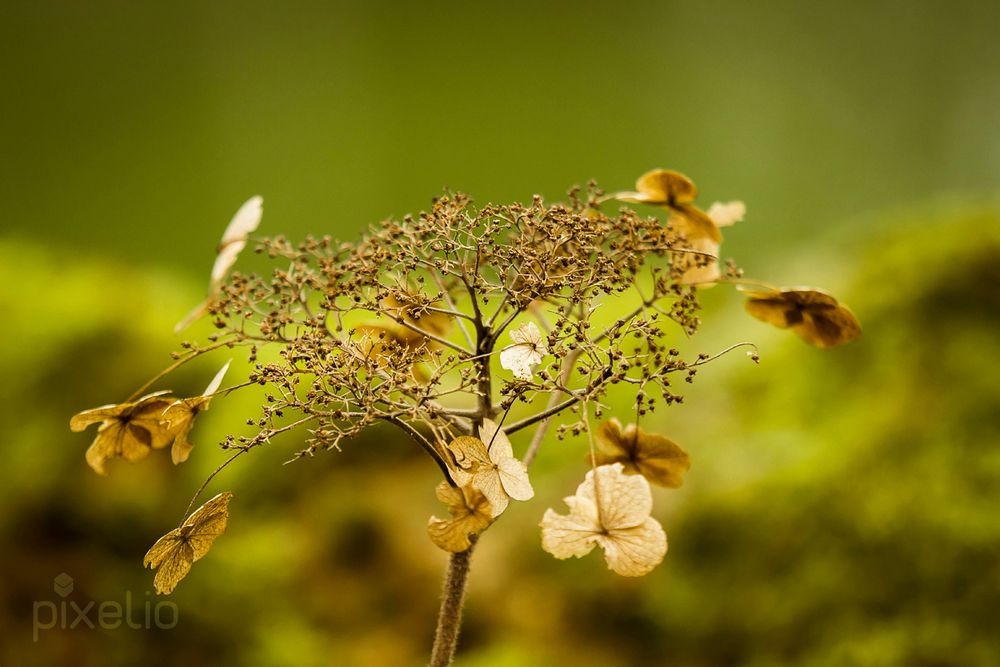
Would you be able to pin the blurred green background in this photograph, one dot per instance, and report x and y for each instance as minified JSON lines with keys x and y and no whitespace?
{"x":842,"y":507}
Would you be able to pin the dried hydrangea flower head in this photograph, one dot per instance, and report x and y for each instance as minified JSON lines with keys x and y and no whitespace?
{"x":463,"y":326}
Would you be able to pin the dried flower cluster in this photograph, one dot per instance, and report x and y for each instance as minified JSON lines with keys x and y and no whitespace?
{"x":457,"y":326}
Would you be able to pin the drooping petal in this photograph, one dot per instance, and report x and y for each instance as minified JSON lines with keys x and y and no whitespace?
{"x":573,"y":534}
{"x":635,"y":551}
{"x":622,"y":501}
{"x":512,"y":473}
{"x":656,"y":457}
{"x":470,"y":514}
{"x":815,"y":316}
{"x":514,"y":479}
{"x":173,"y":554}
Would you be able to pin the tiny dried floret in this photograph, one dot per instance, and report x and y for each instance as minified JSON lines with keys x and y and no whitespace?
{"x":526,"y":352}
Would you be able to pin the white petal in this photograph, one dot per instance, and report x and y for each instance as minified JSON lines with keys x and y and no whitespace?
{"x":496,"y":441}
{"x":519,"y":359}
{"x":527,"y":333}
{"x":488,"y":482}
{"x":213,"y":386}
{"x":223,"y":262}
{"x":726,"y":214}
{"x":234,"y":239}
{"x":244,"y":221}
{"x":624,"y":500}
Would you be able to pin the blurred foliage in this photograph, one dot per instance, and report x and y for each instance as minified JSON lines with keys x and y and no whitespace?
{"x":164,"y":116}
{"x":841,"y":508}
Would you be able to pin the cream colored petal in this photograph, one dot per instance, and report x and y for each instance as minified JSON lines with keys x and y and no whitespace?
{"x":213,"y":386}
{"x":488,"y":482}
{"x":497,"y":442}
{"x":527,"y":333}
{"x":573,"y":534}
{"x":519,"y":359}
{"x":512,"y":473}
{"x":635,"y":551}
{"x":725,"y":214}
{"x":224,"y":261}
{"x":244,"y":221}
{"x":514,"y":478}
{"x":623,"y":500}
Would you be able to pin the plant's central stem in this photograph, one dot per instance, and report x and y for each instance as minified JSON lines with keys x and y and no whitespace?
{"x":450,"y":616}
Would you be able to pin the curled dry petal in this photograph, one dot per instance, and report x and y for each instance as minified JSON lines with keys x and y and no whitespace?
{"x":127,"y":430}
{"x":815,"y":316}
{"x":676,"y":192}
{"x":181,"y":414}
{"x":470,"y":514}
{"x":656,"y":457}
{"x":726,"y":214}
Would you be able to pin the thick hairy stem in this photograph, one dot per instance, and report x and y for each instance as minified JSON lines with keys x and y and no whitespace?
{"x":450,"y":616}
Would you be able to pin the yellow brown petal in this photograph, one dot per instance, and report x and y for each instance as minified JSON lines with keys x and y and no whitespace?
{"x":815,"y":316}
{"x":173,"y":554}
{"x":656,"y":457}
{"x":470,"y":514}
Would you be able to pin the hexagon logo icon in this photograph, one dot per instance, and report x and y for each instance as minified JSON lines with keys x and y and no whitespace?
{"x":63,"y":584}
